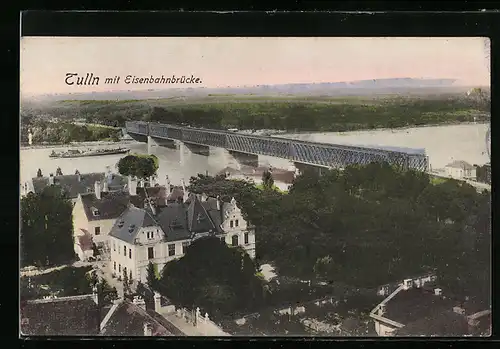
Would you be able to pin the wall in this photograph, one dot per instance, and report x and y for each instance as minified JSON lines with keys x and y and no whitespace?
{"x":459,"y":173}
{"x":231,"y":213}
{"x":79,"y":218}
{"x":105,"y":225}
{"x":384,"y":330}
{"x":121,"y":260}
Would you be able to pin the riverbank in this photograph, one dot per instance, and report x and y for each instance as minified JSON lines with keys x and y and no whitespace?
{"x":76,"y":144}
{"x":402,"y":128}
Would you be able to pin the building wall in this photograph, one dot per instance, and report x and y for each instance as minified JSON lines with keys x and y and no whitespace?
{"x":119,"y":260}
{"x":79,"y":218}
{"x":105,"y":226}
{"x":459,"y":173}
{"x":384,"y":330}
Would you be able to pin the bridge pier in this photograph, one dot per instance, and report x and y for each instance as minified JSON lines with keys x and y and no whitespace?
{"x":240,"y":159}
{"x":197,"y":149}
{"x":300,"y":168}
{"x":168,"y":143}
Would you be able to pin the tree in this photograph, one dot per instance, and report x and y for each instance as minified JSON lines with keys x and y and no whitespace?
{"x":126,"y":283}
{"x":46,"y":228}
{"x":217,"y":278}
{"x":39,"y":173}
{"x":267,"y":180}
{"x":151,"y":279}
{"x":140,"y":166}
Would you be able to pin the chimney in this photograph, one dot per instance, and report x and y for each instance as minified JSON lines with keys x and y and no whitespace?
{"x":78,"y":177}
{"x":95,"y":295}
{"x":139,"y":302}
{"x":184,"y":191}
{"x":218,"y":203}
{"x":105,"y":187}
{"x":132,"y":186}
{"x":152,"y":181}
{"x":438,"y":291}
{"x":167,"y":185}
{"x":147,"y":329}
{"x":51,"y":179}
{"x":97,"y":190}
{"x":157,"y":299}
{"x":407,"y":284}
{"x":381,"y":309}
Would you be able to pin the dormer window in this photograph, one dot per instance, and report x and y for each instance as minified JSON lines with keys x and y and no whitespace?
{"x":120,"y":224}
{"x":131,"y":228}
{"x":96,"y":212}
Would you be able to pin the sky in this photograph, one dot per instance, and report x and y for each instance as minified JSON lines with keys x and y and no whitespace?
{"x":221,"y":62}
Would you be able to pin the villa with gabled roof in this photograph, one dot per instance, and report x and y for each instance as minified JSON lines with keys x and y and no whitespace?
{"x":160,"y":234}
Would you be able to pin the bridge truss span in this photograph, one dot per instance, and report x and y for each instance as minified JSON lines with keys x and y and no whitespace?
{"x":311,"y":153}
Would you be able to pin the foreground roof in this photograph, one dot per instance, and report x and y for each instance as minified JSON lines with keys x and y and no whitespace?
{"x":65,"y":316}
{"x":128,"y":319}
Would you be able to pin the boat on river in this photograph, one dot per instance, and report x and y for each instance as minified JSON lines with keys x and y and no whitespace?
{"x":76,"y":153}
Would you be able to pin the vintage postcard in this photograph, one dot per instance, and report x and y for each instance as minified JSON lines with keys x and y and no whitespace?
{"x":185,"y":186}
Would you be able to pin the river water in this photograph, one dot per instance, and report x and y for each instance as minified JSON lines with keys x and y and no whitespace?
{"x":442,"y":144}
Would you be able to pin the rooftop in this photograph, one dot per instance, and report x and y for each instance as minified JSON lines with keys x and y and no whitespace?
{"x":128,"y":319}
{"x":79,"y":184}
{"x":110,"y":206}
{"x":77,"y":316}
{"x":178,"y":220}
{"x":460,"y":164}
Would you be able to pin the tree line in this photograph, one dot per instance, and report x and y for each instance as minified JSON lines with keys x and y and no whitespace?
{"x":65,"y":132}
{"x":368,"y":226}
{"x":46,"y":228}
{"x":342,"y":114}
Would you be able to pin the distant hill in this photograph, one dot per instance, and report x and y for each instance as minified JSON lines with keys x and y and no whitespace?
{"x":358,"y":88}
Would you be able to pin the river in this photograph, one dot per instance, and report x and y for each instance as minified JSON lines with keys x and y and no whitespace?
{"x":443,"y":144}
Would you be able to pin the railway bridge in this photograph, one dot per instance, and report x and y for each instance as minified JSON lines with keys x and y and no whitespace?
{"x":246,"y":148}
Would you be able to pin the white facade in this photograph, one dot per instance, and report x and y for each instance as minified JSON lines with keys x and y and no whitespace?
{"x":236,"y":229}
{"x":98,"y":228}
{"x":460,"y":170}
{"x":149,"y":245}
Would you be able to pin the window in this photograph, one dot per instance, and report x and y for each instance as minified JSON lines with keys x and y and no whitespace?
{"x":231,"y":223}
{"x":236,"y":223}
{"x":114,"y":265}
{"x":130,"y":275}
{"x":97,"y":230}
{"x":184,"y":247}
{"x":119,"y":268}
{"x":125,"y":251}
{"x":234,"y":240}
{"x":130,"y":253}
{"x":246,"y":238}
{"x":114,"y":246}
{"x":171,"y":249}
{"x":150,"y":253}
{"x":148,"y":234}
